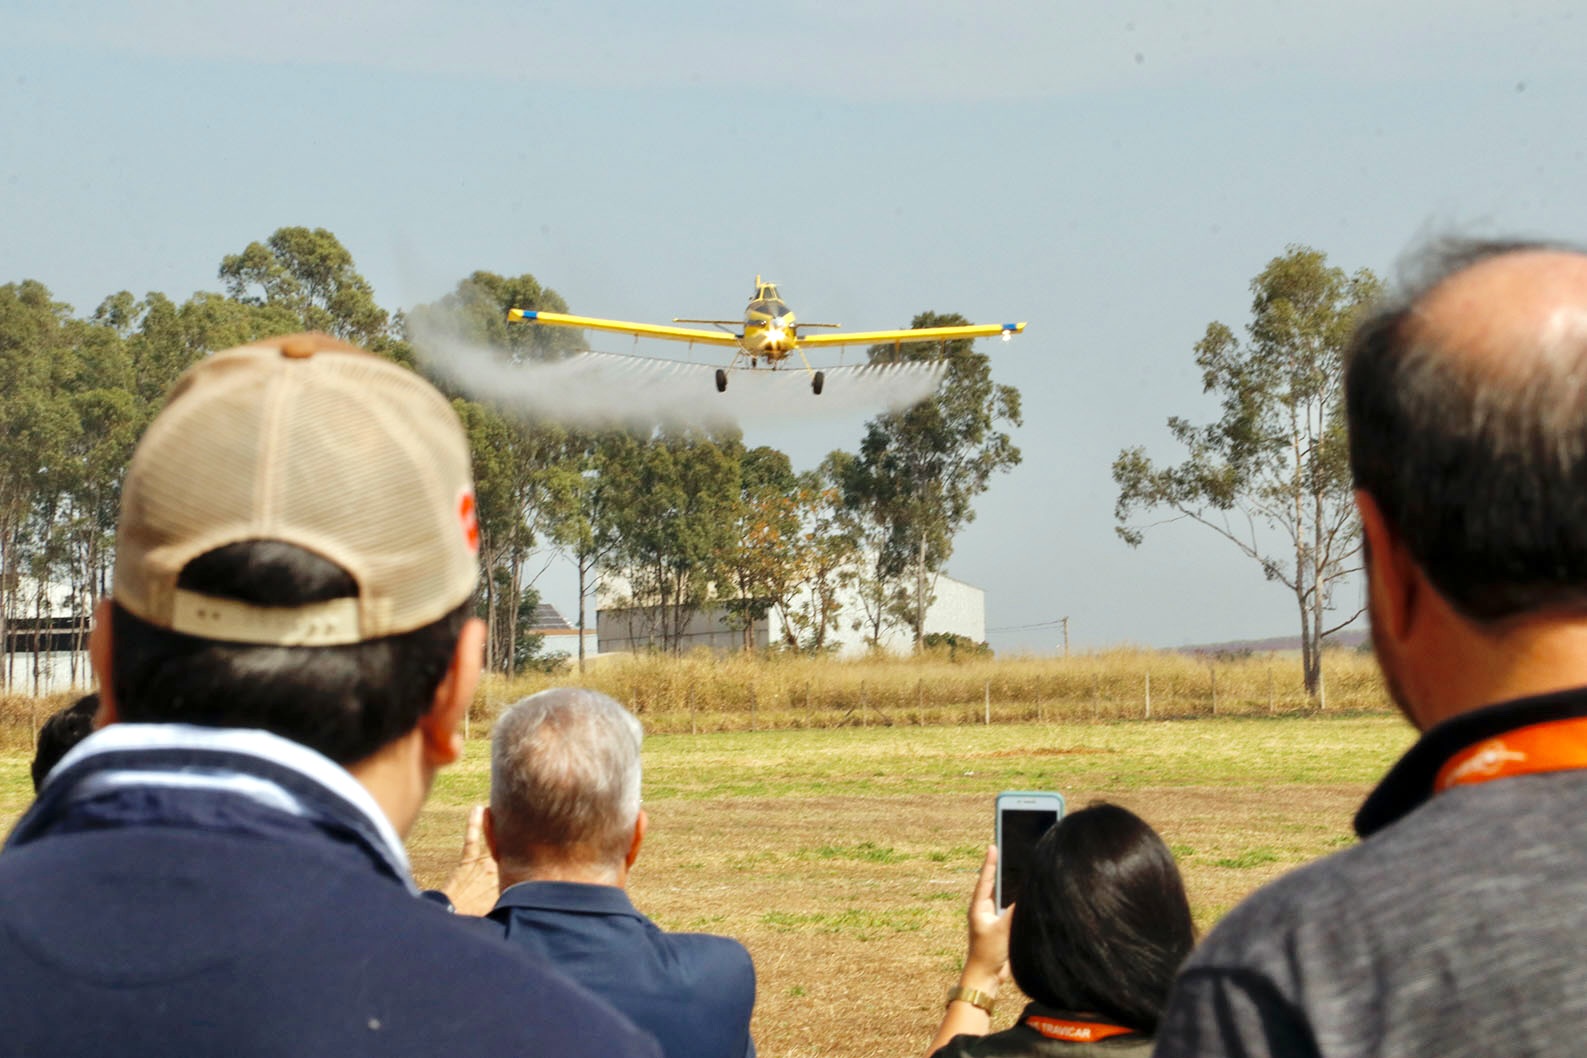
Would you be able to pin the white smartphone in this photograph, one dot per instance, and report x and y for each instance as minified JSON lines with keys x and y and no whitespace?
{"x":1022,"y":818}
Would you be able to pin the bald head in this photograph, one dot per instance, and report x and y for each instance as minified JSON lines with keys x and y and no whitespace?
{"x":1467,"y":406}
{"x":1510,"y":314}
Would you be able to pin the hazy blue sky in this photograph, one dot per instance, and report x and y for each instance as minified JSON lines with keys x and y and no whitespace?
{"x":1113,"y":173}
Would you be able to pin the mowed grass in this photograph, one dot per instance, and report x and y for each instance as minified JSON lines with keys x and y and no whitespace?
{"x":844,"y":857}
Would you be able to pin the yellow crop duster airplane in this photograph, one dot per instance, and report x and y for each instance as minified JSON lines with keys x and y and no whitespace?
{"x":769,"y":333}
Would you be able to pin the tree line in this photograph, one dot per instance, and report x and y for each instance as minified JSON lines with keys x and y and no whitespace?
{"x":688,"y":513}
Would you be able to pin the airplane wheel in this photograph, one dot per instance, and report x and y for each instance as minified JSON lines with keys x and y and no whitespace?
{"x":817,"y":382}
{"x":721,"y":380}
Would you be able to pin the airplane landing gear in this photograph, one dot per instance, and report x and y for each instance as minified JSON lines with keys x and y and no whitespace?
{"x":817,"y":381}
{"x":721,"y":380}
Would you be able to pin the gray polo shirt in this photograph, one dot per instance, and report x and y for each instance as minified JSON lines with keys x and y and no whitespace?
{"x":1456,"y":929}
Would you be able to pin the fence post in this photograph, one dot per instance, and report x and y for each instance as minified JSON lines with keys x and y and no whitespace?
{"x":692,"y":729}
{"x":1096,"y":695}
{"x":865,"y":705}
{"x":987,"y":701}
{"x":752,"y":722}
{"x":1148,"y":694}
{"x":920,"y":700}
{"x":1270,"y":690}
{"x":1213,"y":672}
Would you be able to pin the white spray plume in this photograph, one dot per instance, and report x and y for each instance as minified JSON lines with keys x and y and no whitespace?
{"x":595,"y":389}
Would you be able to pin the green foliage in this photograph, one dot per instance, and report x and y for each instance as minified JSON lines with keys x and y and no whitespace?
{"x":1276,"y":456}
{"x":310,"y":274}
{"x":957,"y":647}
{"x":476,"y":310}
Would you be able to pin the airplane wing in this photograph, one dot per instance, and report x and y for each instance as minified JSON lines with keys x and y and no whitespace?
{"x":642,"y":330}
{"x":914,"y":334}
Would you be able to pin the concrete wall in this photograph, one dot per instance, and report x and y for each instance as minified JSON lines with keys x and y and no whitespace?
{"x":55,"y":673}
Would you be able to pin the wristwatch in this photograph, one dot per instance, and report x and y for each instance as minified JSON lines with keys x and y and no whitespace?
{"x":973,"y":996}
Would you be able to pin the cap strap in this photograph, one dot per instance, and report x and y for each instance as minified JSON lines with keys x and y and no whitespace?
{"x":320,"y":624}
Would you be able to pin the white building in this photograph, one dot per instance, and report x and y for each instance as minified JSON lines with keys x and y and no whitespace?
{"x":957,"y":608}
{"x":45,"y":650}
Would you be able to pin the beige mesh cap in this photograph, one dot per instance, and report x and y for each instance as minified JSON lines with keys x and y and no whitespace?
{"x":313,"y":442}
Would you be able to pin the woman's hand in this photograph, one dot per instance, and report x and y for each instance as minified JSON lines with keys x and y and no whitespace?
{"x":986,"y":960}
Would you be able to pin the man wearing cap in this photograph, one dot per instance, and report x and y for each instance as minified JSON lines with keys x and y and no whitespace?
{"x":1457,"y":928}
{"x":284,"y":664}
{"x":565,"y":826}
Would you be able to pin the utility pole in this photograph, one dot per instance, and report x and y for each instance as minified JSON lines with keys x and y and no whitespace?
{"x":1065,"y":622}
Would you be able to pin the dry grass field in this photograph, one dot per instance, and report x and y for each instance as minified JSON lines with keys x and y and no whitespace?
{"x":704,"y":692}
{"x":843,"y":856}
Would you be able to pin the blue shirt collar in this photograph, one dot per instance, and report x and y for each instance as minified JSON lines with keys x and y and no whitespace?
{"x":583,"y":897}
{"x":267,"y":769}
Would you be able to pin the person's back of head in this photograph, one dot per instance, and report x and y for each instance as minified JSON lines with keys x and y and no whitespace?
{"x":1466,"y":400}
{"x":296,"y":551}
{"x":63,"y":730}
{"x":565,"y":784}
{"x":1102,"y":923}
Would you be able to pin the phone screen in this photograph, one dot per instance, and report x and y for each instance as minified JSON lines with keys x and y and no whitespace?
{"x":1020,"y":829}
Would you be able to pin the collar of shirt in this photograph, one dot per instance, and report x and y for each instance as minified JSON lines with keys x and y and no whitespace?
{"x":582,"y":897}
{"x":266,"y":769}
{"x":1410,"y":782}
{"x":1042,"y":1012}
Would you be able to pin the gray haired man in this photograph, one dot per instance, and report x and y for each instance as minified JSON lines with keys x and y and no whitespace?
{"x":565,"y":826}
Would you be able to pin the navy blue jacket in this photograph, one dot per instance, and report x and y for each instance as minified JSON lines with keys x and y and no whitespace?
{"x":693,"y":991}
{"x":182,"y":891}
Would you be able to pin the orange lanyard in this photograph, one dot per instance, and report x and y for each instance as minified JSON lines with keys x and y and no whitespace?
{"x":1077,"y":1031}
{"x":1556,"y":745}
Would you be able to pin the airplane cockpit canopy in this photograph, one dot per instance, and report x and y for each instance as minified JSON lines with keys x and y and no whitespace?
{"x":771,"y":307}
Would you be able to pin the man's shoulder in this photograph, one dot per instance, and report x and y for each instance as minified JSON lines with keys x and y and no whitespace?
{"x":217,"y":915}
{"x":495,"y":983}
{"x":1326,"y":890}
{"x":706,"y":954}
{"x":1392,"y":946}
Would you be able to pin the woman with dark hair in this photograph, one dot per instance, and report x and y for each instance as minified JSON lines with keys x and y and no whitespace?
{"x":1094,"y":941}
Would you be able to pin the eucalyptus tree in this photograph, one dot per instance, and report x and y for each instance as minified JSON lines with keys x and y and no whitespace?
{"x":309,"y":273}
{"x":920,"y":470}
{"x":673,"y":504}
{"x":518,"y":463}
{"x":1271,"y":474}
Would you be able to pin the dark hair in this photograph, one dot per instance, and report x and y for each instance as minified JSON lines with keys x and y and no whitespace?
{"x":63,"y":730}
{"x":344,"y":701}
{"x":1481,"y":472}
{"x":1102,"y":922}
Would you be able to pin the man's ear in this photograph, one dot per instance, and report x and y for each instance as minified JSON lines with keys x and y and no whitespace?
{"x":99,"y":655}
{"x":1394,"y":582}
{"x":490,"y":835}
{"x":641,"y":823}
{"x":443,"y":741}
